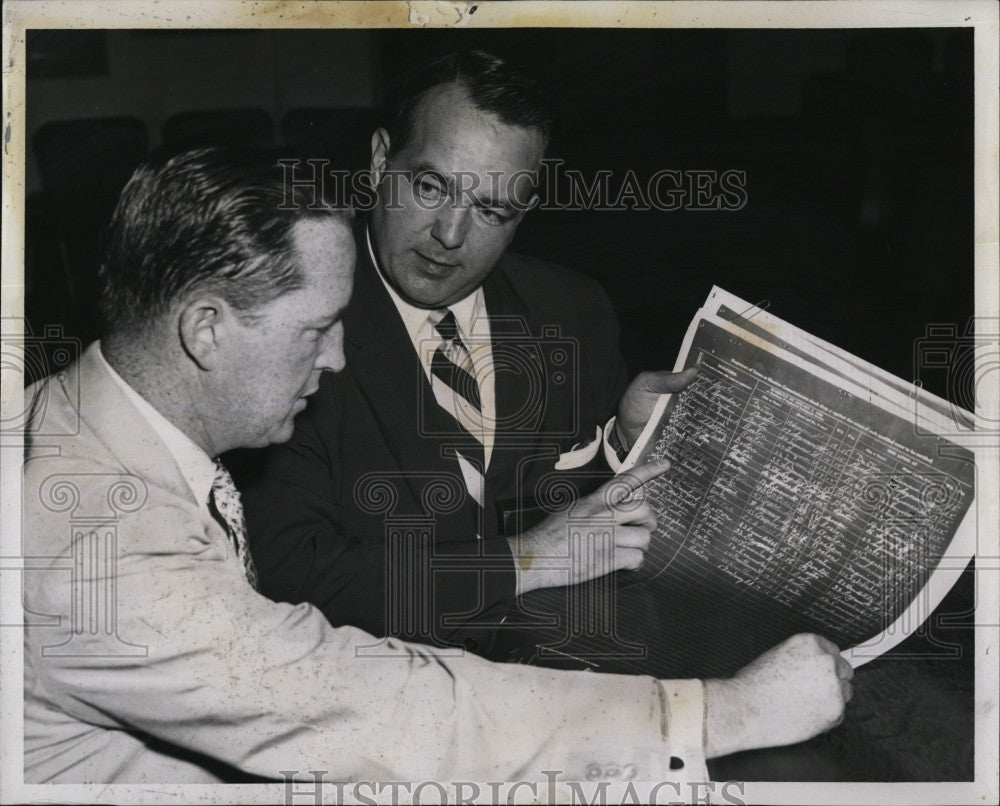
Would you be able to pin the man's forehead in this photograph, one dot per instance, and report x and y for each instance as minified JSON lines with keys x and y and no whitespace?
{"x":474,"y":150}
{"x":447,"y":120}
{"x":325,"y":250}
{"x":327,"y":235}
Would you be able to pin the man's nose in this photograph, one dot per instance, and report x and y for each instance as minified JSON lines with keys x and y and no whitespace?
{"x":451,"y":225}
{"x":331,"y":354}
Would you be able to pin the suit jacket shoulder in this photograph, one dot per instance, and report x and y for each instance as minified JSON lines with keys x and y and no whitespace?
{"x":546,"y":287}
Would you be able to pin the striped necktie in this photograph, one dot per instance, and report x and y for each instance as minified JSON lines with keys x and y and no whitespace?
{"x":225,"y":503}
{"x":456,"y":389}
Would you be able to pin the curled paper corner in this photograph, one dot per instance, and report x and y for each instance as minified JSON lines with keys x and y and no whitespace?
{"x":421,"y":11}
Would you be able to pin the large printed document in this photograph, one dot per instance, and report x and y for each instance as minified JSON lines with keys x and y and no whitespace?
{"x":806,"y":487}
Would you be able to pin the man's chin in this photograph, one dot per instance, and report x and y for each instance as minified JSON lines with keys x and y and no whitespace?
{"x":281,"y":434}
{"x":431,"y":295}
{"x":426,"y":288}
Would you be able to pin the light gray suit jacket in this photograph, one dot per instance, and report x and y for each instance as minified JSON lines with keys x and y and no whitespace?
{"x":149,"y":658}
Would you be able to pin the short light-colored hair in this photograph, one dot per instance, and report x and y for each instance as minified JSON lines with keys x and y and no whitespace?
{"x":204,"y":221}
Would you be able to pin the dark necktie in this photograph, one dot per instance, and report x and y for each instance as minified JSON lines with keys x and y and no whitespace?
{"x":225,"y":501}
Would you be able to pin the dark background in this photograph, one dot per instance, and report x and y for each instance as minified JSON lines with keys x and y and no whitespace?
{"x":857,"y":147}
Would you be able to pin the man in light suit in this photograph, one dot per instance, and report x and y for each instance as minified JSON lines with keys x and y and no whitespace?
{"x":149,"y":656}
{"x":455,"y":173}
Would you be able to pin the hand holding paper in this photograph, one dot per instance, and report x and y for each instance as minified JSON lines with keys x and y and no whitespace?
{"x":637,"y":403}
{"x":791,"y":693}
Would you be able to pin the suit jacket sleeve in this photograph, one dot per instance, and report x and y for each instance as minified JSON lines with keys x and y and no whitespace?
{"x":265,"y":686}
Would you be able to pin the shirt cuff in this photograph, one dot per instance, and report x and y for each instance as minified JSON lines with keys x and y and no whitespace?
{"x":683,"y":728}
{"x":578,"y":457}
{"x":611,"y":454}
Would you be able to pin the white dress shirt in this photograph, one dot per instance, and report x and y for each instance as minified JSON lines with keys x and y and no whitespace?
{"x":473,"y":323}
{"x":196,"y":466}
{"x":474,"y":330}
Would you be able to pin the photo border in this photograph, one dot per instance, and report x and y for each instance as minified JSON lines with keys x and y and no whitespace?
{"x":20,"y":15}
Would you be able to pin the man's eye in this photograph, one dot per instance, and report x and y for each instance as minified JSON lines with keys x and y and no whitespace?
{"x":492,"y":216}
{"x":427,"y":189}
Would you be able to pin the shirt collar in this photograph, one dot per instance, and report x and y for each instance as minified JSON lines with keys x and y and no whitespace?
{"x":470,"y":311}
{"x":196,"y":466}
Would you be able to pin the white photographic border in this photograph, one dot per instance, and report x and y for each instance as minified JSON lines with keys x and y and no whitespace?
{"x":19,"y":15}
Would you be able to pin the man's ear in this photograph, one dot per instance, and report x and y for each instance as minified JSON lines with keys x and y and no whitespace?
{"x":200,"y":328}
{"x":380,"y":153}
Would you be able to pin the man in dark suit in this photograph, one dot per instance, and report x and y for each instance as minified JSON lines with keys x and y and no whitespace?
{"x":416,"y":497}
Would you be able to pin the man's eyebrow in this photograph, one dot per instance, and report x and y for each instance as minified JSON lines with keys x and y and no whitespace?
{"x":427,"y":168}
{"x":326,"y":321}
{"x":486,"y":200}
{"x":503,"y":205}
{"x":480,"y":199}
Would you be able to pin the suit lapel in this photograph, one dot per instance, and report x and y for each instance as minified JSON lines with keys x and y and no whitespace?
{"x":518,"y":375}
{"x":383,"y":363}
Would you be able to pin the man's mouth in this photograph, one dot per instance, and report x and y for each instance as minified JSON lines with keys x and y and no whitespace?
{"x":438,"y":265}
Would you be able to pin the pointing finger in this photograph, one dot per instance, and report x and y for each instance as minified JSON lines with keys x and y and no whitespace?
{"x":625,"y":484}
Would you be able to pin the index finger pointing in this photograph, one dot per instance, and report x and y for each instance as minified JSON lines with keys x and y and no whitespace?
{"x":627,"y":483}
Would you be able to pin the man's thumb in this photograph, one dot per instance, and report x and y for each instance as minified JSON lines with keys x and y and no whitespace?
{"x":664,"y":381}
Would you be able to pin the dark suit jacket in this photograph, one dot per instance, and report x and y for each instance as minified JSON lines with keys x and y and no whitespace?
{"x":364,"y":512}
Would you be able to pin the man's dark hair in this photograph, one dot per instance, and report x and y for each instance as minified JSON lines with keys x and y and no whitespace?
{"x":493,"y":86}
{"x":204,"y":221}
